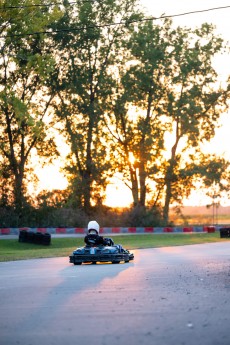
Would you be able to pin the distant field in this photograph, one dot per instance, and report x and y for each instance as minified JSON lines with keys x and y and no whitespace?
{"x":195,"y":215}
{"x":11,"y":249}
{"x":200,"y":220}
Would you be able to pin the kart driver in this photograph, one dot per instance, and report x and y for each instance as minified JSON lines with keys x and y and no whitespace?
{"x":93,"y":238}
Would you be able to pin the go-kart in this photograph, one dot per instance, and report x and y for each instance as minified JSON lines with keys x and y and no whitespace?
{"x":101,"y":253}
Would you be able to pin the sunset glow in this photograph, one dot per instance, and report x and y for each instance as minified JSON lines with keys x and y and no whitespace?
{"x":117,"y":193}
{"x":131,"y":158}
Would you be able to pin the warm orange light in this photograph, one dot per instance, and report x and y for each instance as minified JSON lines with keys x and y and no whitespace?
{"x":51,"y":178}
{"x":131,"y":158}
{"x":118,"y":195}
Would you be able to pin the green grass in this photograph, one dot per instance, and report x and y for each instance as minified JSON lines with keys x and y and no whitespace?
{"x":13,"y":250}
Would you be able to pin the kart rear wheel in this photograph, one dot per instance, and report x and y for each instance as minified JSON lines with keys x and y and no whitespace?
{"x":115,"y":262}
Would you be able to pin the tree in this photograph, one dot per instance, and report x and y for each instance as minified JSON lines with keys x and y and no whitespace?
{"x":137,"y":112}
{"x":214,"y":173}
{"x":172,"y":87}
{"x":25,"y":67}
{"x":194,"y":103}
{"x":84,"y":80}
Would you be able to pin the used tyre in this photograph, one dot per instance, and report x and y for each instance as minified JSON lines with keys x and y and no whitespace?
{"x":22,"y":236}
{"x":46,"y":239}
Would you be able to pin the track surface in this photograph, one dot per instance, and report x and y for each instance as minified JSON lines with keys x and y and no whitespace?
{"x":166,"y":296}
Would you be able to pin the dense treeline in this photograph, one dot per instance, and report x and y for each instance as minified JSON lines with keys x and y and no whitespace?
{"x":114,"y":85}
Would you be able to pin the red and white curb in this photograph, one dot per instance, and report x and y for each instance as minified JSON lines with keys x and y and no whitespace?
{"x":115,"y":230}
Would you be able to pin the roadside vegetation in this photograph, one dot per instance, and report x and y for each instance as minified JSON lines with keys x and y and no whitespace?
{"x":11,"y":249}
{"x":131,"y":98}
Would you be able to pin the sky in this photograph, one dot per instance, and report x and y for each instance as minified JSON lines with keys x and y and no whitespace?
{"x":220,"y":143}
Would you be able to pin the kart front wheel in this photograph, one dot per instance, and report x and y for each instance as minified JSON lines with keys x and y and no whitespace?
{"x":115,"y":262}
{"x":77,"y":263}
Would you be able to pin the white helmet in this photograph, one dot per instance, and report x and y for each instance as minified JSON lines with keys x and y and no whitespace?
{"x":93,"y":225}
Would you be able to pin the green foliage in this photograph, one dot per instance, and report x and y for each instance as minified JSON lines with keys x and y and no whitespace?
{"x":83,"y":76}
{"x":113,"y":91}
{"x":25,"y":67}
{"x":144,"y":217}
{"x":168,"y":80}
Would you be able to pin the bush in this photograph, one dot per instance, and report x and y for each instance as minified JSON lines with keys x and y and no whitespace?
{"x":50,"y":216}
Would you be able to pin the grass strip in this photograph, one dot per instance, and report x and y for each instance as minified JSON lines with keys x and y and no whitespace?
{"x":11,"y":249}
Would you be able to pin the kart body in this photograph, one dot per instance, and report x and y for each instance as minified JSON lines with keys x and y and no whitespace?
{"x":94,"y":254}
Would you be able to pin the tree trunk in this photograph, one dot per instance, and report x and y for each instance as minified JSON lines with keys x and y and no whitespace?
{"x":142,"y":179}
{"x":142,"y":147}
{"x":168,"y":192}
{"x":18,"y":193}
{"x":88,"y":173}
{"x":169,"y":176}
{"x":134,"y":182}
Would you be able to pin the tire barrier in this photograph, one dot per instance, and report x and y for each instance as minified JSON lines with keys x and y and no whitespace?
{"x":224,"y":232}
{"x":111,"y":230}
{"x":34,"y":237}
{"x":22,"y":236}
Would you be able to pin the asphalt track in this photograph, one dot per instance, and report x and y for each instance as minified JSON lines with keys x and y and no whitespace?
{"x":166,"y":296}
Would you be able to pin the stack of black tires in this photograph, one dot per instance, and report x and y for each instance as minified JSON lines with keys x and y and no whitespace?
{"x":224,"y":232}
{"x":34,"y":237}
